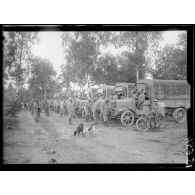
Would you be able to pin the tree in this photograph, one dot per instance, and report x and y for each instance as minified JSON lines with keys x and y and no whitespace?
{"x":9,"y":94}
{"x":81,"y":54}
{"x":17,"y":51}
{"x":138,"y":43}
{"x":171,"y":62}
{"x":42,"y":79}
{"x":127,"y":70}
{"x":105,"y":71}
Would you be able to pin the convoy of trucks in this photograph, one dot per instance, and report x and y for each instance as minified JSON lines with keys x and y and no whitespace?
{"x":172,"y":95}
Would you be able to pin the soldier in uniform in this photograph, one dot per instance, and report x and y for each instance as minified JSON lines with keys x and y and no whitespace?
{"x":36,"y":110}
{"x":61,"y":107}
{"x":156,"y":109}
{"x":88,"y":109}
{"x":95,"y":110}
{"x":70,"y":109}
{"x":105,"y":109}
{"x":31,"y":106}
{"x":58,"y":106}
{"x":46,"y":107}
{"x":141,"y":99}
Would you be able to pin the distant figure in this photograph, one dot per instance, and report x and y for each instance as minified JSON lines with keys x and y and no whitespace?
{"x":58,"y":106}
{"x":55,"y":105}
{"x":95,"y":110}
{"x":36,"y":110}
{"x":51,"y":105}
{"x":61,"y":107}
{"x":76,"y":106}
{"x":155,"y":110}
{"x":70,"y":109}
{"x":88,"y":110}
{"x":32,"y":107}
{"x":46,"y":107}
{"x":25,"y":106}
{"x":105,"y":109}
{"x":65,"y":107}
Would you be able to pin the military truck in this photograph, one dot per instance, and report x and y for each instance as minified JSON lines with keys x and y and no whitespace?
{"x":123,"y":102}
{"x":105,"y":91}
{"x":174,"y":95}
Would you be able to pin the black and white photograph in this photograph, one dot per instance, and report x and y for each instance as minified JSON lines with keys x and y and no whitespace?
{"x":75,"y":95}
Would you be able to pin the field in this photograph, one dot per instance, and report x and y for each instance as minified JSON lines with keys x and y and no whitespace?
{"x":51,"y":140}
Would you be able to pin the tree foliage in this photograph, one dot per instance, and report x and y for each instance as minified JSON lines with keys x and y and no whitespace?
{"x":17,"y":51}
{"x":86,"y":63}
{"x":139,"y":43}
{"x":81,"y":52}
{"x":42,"y":78}
{"x":171,"y":62}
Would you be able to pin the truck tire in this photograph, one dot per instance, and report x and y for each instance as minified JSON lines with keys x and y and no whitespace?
{"x":142,"y":124}
{"x":161,"y":121}
{"x":179,"y":115}
{"x":127,"y":118}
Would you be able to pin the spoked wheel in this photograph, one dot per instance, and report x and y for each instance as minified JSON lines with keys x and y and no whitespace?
{"x":179,"y":115}
{"x":127,"y":118}
{"x":161,"y":121}
{"x":142,"y":124}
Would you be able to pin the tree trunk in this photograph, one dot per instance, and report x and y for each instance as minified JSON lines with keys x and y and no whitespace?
{"x":45,"y":92}
{"x":139,"y":66}
{"x":88,"y":82}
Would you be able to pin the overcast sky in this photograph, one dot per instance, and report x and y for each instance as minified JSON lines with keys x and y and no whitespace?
{"x":50,"y":46}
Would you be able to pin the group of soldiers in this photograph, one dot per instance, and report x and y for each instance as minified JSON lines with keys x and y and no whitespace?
{"x":70,"y":107}
{"x":91,"y":109}
{"x":35,"y":108}
{"x":94,"y":108}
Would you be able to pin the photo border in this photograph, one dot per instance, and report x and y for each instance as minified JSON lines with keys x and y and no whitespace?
{"x":116,"y":27}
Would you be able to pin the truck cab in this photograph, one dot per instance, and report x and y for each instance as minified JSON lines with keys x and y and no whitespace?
{"x":105,"y":91}
{"x":124,"y":90}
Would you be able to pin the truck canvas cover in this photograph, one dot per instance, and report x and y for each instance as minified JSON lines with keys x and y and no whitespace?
{"x":168,"y":89}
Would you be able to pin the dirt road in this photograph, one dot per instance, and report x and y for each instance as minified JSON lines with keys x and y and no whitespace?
{"x":51,"y":140}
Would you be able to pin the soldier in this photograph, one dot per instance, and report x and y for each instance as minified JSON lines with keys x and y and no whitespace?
{"x":95,"y":110}
{"x":88,"y":109}
{"x":141,"y":99}
{"x":25,"y":106}
{"x":156,"y":109}
{"x":31,"y":106}
{"x":105,"y":109}
{"x":52,"y":105}
{"x":61,"y":107}
{"x":70,"y":109}
{"x":46,"y":107}
{"x":58,"y":106}
{"x":36,"y":110}
{"x":65,"y":107}
{"x":76,"y":106}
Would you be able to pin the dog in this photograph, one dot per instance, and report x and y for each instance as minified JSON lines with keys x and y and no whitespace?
{"x":79,"y":129}
{"x":90,"y":130}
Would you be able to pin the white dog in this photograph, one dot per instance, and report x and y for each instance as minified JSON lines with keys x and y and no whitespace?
{"x":90,"y":130}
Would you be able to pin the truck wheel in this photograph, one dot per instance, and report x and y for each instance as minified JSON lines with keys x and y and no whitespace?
{"x":127,"y":118}
{"x":142,"y":124}
{"x":161,"y":121}
{"x":179,"y":115}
